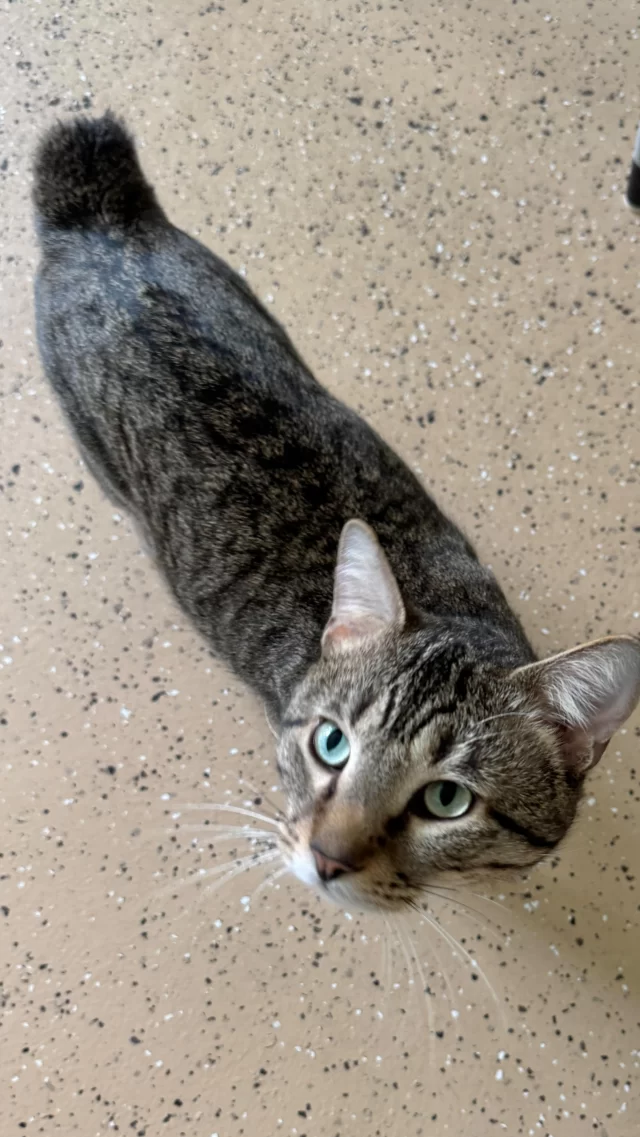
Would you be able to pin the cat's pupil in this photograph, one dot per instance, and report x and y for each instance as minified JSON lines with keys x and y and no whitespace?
{"x":334,"y":739}
{"x":448,"y":791}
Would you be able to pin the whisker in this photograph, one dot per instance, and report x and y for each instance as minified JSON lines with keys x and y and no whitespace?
{"x":261,"y":793}
{"x":242,"y":780}
{"x":237,"y":870}
{"x":407,"y":958}
{"x":456,"y":946}
{"x":221,"y":831}
{"x":444,"y":973}
{"x":479,"y":895}
{"x":270,"y":880}
{"x":269,"y":723}
{"x":237,"y":862}
{"x":505,"y":715}
{"x":217,"y":807}
{"x":385,"y":961}
{"x":426,"y":990}
{"x":395,"y":940}
{"x":411,"y":960}
{"x":490,"y":900}
{"x":206,"y":874}
{"x":382,"y":965}
{"x":455,"y":900}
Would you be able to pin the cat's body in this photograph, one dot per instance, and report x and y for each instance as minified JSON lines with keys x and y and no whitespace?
{"x":208,"y":428}
{"x":196,"y":414}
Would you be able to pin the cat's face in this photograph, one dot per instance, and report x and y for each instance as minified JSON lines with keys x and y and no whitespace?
{"x":402,"y":762}
{"x":405,"y":759}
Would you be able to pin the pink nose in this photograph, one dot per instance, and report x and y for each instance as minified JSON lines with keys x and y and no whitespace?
{"x":328,"y":868}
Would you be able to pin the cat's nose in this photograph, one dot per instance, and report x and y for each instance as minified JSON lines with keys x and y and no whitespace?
{"x":328,"y":868}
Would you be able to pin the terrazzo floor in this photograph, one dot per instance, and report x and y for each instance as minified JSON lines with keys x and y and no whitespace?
{"x":429,"y":197}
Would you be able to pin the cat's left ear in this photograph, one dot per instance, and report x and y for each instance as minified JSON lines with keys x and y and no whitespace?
{"x":366,"y":598}
{"x":588,"y":693}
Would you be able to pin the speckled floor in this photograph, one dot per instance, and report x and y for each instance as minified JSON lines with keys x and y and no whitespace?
{"x":430,"y":197}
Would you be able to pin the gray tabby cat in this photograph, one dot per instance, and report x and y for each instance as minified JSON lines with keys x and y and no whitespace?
{"x":417,"y":733}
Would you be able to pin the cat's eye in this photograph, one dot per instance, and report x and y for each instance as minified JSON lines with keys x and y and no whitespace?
{"x":447,"y":799}
{"x":331,"y":745}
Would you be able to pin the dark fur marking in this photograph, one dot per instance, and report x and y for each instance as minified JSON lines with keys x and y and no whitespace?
{"x":390,"y":707}
{"x":514,"y":826}
{"x":443,"y":746}
{"x":365,"y":702}
{"x":430,"y":674}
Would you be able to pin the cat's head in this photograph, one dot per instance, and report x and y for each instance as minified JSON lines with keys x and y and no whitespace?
{"x":406,"y":756}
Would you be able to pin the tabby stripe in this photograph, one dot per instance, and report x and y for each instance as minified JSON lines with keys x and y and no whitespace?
{"x":393,"y":696}
{"x":418,"y":725}
{"x":416,"y":679}
{"x":504,"y":866}
{"x":421,"y":679}
{"x":367,"y":699}
{"x":514,"y":826}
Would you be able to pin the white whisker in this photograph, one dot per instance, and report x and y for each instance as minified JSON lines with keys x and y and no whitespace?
{"x":219,"y":832}
{"x":456,"y":946}
{"x":490,"y":900}
{"x":270,"y":880}
{"x":269,"y":723}
{"x":506,"y":715}
{"x":261,"y":793}
{"x":395,"y":939}
{"x":455,"y":900}
{"x":242,"y":780}
{"x":202,"y":874}
{"x":407,"y":958}
{"x":444,"y":973}
{"x":240,"y":868}
{"x":426,"y":990}
{"x":385,"y":961}
{"x":216,"y":807}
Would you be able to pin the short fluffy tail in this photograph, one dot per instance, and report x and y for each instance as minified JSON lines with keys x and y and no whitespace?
{"x":86,"y":174}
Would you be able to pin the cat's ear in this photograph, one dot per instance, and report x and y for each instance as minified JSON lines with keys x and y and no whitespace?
{"x":588,"y":692}
{"x":366,"y":598}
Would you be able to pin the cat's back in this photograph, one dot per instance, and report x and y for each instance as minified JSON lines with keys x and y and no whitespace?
{"x":195,"y":412}
{"x":141,"y":296}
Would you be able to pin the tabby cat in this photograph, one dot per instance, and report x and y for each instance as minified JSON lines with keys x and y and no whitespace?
{"x":417,"y":733}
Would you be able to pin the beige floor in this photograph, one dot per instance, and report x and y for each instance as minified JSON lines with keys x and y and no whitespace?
{"x":429,"y":196}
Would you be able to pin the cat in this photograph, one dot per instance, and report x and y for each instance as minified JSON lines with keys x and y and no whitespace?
{"x":418,"y":735}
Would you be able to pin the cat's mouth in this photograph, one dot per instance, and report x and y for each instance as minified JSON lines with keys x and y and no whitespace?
{"x":355,"y":890}
{"x":349,"y":887}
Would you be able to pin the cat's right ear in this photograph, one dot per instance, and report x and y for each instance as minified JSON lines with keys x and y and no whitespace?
{"x":588,"y":693}
{"x":366,"y":598}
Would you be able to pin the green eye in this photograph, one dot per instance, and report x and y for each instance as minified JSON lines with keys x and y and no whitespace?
{"x":331,"y":745}
{"x":447,"y":799}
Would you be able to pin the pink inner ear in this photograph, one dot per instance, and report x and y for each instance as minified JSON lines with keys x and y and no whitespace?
{"x":579,"y":749}
{"x":340,"y":633}
{"x":337,"y":633}
{"x":598,"y":750}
